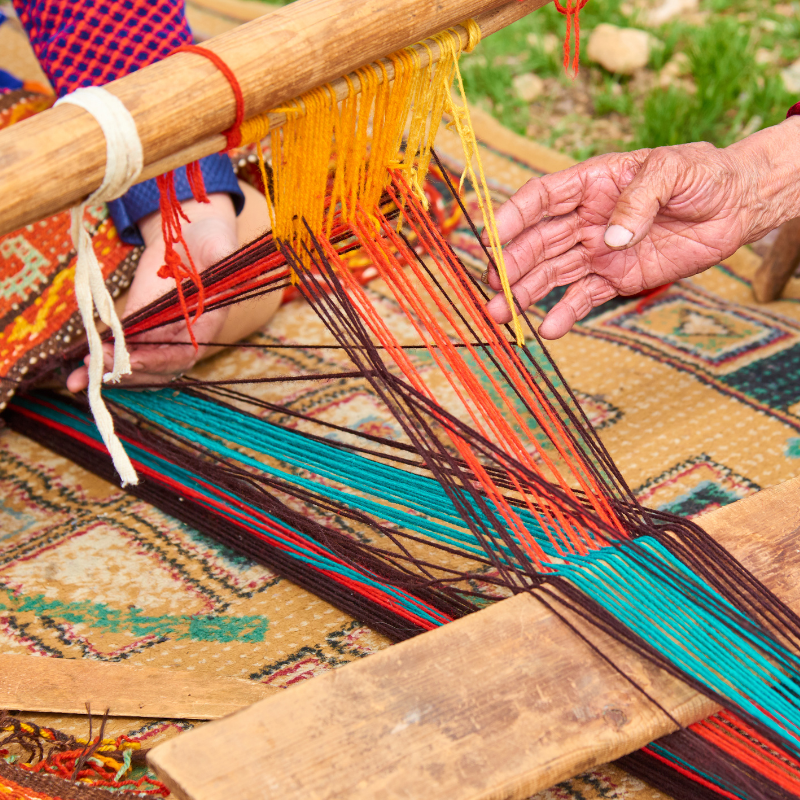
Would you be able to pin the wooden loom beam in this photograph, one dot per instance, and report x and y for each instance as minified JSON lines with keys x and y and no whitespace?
{"x":53,"y":160}
{"x":501,"y":704}
{"x":778,"y":264}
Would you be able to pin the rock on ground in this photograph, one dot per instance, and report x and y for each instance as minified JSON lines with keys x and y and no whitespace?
{"x":528,"y":86}
{"x":791,"y":77}
{"x":620,"y":50}
{"x":671,"y":9}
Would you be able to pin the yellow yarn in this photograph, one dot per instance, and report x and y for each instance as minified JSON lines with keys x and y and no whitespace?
{"x":345,"y":150}
{"x":463,"y":124}
{"x":254,"y":129}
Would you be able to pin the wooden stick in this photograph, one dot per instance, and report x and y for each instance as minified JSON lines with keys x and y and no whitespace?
{"x":503,"y":703}
{"x":427,"y":51}
{"x":65,"y":685}
{"x":779,"y":263}
{"x":53,"y":160}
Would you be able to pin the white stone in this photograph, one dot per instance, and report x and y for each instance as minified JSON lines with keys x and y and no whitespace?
{"x":670,"y":9}
{"x":528,"y":86}
{"x":791,"y":77}
{"x":620,"y":50}
{"x":765,"y":56}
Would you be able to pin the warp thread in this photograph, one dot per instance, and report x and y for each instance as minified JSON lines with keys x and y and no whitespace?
{"x":526,"y":541}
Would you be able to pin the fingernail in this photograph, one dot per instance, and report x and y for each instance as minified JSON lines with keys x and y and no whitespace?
{"x":617,"y":236}
{"x":485,"y":277}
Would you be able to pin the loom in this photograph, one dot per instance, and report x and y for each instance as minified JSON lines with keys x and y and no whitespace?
{"x":672,"y":624}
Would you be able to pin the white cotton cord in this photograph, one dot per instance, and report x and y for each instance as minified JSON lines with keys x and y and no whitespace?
{"x":124,"y":159}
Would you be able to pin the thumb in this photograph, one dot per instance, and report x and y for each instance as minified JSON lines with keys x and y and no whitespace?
{"x":640,"y":201}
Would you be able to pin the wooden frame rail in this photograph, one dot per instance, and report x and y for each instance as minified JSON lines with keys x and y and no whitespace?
{"x":500,"y":704}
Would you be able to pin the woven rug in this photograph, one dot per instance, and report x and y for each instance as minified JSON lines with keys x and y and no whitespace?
{"x":696,"y":393}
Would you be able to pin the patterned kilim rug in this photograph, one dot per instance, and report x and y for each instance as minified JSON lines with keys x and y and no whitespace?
{"x":696,"y":393}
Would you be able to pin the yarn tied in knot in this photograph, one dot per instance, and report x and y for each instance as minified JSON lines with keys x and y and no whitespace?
{"x":124,"y":159}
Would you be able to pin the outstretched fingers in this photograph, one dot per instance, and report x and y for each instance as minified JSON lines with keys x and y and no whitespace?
{"x":581,"y":297}
{"x":548,"y":239}
{"x":538,"y":282}
{"x":550,"y":196}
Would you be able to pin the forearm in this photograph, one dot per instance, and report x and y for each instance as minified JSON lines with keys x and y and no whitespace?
{"x":770,"y":161}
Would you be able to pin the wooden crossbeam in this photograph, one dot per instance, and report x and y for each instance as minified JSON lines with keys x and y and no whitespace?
{"x":500,"y":704}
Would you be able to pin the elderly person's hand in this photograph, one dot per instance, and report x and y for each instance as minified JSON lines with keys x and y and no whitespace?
{"x":210,"y":236}
{"x":622,"y":223}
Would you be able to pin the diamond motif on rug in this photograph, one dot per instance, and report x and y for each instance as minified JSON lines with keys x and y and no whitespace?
{"x":711,"y":335}
{"x":694,"y":487}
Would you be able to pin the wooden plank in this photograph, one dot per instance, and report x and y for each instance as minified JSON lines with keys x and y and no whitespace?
{"x":184,"y":99}
{"x":62,"y":685}
{"x":778,"y":264}
{"x":500,"y":704}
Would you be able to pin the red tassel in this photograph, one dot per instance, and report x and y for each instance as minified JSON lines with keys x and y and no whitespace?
{"x":174,"y":266}
{"x":572,"y":11}
{"x":196,"y":183}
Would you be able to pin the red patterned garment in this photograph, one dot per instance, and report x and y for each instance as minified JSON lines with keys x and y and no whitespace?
{"x":92,"y":42}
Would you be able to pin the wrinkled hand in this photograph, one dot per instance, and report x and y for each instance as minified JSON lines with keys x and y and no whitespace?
{"x":210,"y":236}
{"x":622,"y":223}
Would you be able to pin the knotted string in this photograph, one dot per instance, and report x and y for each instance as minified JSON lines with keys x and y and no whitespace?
{"x":571,"y":10}
{"x":124,"y":161}
{"x":172,"y":213}
{"x":232,"y":135}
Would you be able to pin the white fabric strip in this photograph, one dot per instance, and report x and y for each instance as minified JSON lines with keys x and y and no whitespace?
{"x":124,"y":159}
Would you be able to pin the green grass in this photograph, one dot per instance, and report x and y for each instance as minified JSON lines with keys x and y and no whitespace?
{"x":734,"y":93}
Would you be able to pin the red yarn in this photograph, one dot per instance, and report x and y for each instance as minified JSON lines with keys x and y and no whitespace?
{"x":171,"y":211}
{"x":572,"y":11}
{"x":174,"y":266}
{"x":196,"y":183}
{"x":649,"y":296}
{"x":233,"y":134}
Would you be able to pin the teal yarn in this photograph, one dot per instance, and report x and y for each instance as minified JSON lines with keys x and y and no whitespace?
{"x":207,"y":424}
{"x":645,"y":587}
{"x":314,"y":554}
{"x":639,"y":582}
